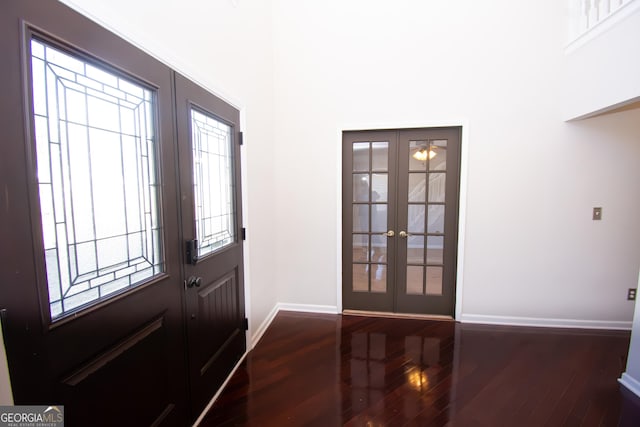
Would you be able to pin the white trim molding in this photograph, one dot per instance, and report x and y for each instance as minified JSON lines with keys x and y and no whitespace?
{"x":630,"y":383}
{"x":308,"y":308}
{"x":281,"y":306}
{"x":545,"y":322}
{"x":259,"y":332}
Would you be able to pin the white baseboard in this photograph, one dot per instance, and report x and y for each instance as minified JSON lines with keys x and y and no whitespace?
{"x":630,"y":383}
{"x":547,"y":323}
{"x":257,"y":335}
{"x":309,"y":308}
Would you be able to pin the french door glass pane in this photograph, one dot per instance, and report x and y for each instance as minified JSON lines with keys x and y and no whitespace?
{"x":361,"y":187}
{"x":380,"y":156}
{"x":97,"y":174}
{"x":361,"y":277}
{"x":360,"y":247}
{"x":437,"y":187}
{"x":417,"y":187}
{"x":434,"y":280}
{"x":213,"y":183}
{"x":378,"y":278}
{"x":370,"y":183}
{"x":438,"y":155}
{"x":415,"y":280}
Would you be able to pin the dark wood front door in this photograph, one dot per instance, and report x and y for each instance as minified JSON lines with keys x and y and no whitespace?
{"x":110,"y":163}
{"x":400,"y":220}
{"x":90,"y":272}
{"x":209,"y":151}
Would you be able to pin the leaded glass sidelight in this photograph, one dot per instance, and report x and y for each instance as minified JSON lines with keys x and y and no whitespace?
{"x":97,"y":174}
{"x":213,"y":183}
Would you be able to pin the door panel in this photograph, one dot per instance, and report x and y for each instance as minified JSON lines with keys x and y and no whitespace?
{"x":211,"y":222}
{"x":427,"y":194}
{"x":369,"y":172}
{"x":400,"y":207}
{"x":87,"y":325}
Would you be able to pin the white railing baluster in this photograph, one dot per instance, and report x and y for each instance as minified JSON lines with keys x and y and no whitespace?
{"x":586,"y":14}
{"x":593,"y":13}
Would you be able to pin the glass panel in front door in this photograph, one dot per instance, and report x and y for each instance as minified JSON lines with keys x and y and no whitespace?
{"x":425,"y":219}
{"x":213,"y":183}
{"x":370,"y":178}
{"x":97,"y":175}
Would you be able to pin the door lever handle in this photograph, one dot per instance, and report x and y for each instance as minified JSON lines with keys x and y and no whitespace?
{"x":404,"y":234}
{"x":194,"y":282}
{"x":389,"y":233}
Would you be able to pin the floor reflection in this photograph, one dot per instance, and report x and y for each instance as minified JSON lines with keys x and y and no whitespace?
{"x":330,"y":370}
{"x":407,"y":362}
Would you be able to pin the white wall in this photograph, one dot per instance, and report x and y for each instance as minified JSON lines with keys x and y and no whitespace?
{"x":631,"y":378}
{"x":605,"y":70}
{"x":226,"y":46}
{"x":531,"y":249}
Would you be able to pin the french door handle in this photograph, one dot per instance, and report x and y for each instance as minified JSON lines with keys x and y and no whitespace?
{"x":404,"y":234}
{"x":389,"y":233}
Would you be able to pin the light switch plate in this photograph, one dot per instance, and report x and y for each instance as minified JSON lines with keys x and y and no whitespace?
{"x":597,"y":214}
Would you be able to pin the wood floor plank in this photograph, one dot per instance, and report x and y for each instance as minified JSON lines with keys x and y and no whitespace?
{"x":332,"y":370}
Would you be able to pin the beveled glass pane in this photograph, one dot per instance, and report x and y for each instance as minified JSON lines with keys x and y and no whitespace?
{"x":379,"y":249}
{"x":416,"y":218}
{"x":418,"y":155}
{"x":380,"y":156}
{"x":415,"y":249}
{"x":417,"y":187}
{"x":415,"y":280}
{"x":360,"y":247}
{"x":361,"y":156}
{"x":438,"y":155}
{"x":435,"y":248}
{"x":436,"y":219}
{"x":380,"y":192}
{"x":378,"y":278}
{"x":213,"y":183}
{"x":97,"y":177}
{"x":360,"y":277}
{"x":361,"y":218}
{"x":434,"y":280}
{"x":361,"y":187}
{"x":437,"y":187}
{"x":379,"y":218}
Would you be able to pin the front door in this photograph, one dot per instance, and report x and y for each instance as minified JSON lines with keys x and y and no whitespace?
{"x":209,"y":151}
{"x":90,"y":272}
{"x":400,"y":220}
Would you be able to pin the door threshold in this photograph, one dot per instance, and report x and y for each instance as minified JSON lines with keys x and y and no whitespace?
{"x":397,"y":315}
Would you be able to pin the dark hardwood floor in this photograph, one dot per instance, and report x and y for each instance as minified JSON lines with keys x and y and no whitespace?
{"x":332,"y":370}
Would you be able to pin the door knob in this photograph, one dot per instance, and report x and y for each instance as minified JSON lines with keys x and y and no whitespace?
{"x":404,"y":234}
{"x":194,"y":282}
{"x":389,"y":233}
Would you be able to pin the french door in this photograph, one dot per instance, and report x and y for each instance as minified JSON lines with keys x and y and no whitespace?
{"x":113,"y":167}
{"x":400,"y":220}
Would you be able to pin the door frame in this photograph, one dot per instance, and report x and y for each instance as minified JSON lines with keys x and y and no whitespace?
{"x":462,"y":200}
